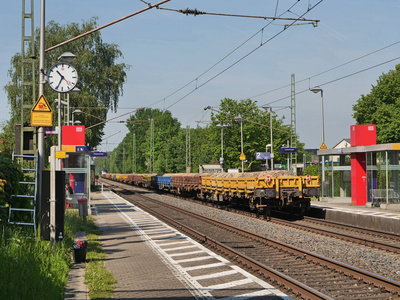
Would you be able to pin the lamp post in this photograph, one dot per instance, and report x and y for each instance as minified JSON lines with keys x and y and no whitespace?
{"x":316,"y":90}
{"x":221,"y":160}
{"x":241,"y":139}
{"x":78,"y":112}
{"x":266,"y":159}
{"x":271,"y":135}
{"x":75,"y":90}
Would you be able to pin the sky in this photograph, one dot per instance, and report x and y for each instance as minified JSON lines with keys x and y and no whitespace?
{"x":186,"y":63}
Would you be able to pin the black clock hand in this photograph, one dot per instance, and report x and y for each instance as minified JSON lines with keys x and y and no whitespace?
{"x":62,"y":77}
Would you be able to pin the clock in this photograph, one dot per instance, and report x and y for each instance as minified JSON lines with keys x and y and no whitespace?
{"x":62,"y":77}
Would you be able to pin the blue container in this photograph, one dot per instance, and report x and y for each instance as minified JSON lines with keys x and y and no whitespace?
{"x":163,"y":182}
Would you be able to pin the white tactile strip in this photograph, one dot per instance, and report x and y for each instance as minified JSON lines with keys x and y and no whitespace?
{"x":175,"y":250}
{"x":382,"y":214}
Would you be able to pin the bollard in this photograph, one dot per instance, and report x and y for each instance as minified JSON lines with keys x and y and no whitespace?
{"x":83,"y":209}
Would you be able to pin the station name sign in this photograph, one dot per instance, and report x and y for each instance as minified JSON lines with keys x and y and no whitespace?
{"x":287,"y":150}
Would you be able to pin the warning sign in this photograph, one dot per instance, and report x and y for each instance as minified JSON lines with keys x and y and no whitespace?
{"x":41,"y":113}
{"x":323,"y":147}
{"x":242,"y":156}
{"x":42,"y":105}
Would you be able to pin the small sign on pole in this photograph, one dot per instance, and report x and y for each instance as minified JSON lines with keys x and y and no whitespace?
{"x":42,"y":113}
{"x":263,"y":155}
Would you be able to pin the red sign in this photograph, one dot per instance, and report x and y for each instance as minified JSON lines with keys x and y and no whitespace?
{"x":73,"y":135}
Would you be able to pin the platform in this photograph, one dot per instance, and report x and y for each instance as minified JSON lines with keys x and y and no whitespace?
{"x":151,"y":260}
{"x":369,"y":217}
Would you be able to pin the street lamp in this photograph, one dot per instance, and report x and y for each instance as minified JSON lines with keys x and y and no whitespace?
{"x":67,"y":57}
{"x":316,"y":90}
{"x":266,"y":107}
{"x":78,"y":112}
{"x":241,"y":139}
{"x":266,"y":159}
{"x":75,"y":90}
{"x":221,"y":160}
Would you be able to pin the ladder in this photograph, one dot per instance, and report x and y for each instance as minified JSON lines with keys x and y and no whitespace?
{"x":22,"y":209}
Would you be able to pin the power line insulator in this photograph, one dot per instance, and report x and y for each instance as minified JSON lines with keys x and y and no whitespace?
{"x":194,"y":12}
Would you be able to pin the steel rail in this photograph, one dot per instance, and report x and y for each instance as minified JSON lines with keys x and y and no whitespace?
{"x":344,"y":236}
{"x":368,"y":277}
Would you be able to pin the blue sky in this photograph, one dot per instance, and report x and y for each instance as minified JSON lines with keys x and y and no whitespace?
{"x":167,"y":50}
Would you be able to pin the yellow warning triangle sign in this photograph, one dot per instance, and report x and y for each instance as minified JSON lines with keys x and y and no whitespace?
{"x":242,"y":156}
{"x":323,"y":147}
{"x":42,"y":105}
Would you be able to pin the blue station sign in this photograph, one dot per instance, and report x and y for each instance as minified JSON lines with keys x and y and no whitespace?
{"x":82,"y":149}
{"x":98,"y":154}
{"x":287,"y":150}
{"x":263,"y":155}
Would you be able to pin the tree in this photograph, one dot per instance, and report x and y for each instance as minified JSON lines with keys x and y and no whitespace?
{"x":101,"y":78}
{"x":256,"y":135}
{"x":382,"y":107}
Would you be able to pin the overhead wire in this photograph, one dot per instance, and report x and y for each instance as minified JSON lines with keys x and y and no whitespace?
{"x":242,"y":58}
{"x":326,"y":71}
{"x":340,"y":78}
{"x":219,"y":61}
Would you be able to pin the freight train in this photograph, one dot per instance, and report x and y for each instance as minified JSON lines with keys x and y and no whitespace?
{"x":259,"y":191}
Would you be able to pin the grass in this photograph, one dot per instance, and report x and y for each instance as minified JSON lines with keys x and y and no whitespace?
{"x":99,"y":280}
{"x":31,"y":269}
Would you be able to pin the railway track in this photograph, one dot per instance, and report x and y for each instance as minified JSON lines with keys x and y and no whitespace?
{"x":302,"y":273}
{"x":367,"y":237}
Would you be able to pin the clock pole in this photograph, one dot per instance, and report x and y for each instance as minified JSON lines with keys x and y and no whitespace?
{"x":40,"y":132}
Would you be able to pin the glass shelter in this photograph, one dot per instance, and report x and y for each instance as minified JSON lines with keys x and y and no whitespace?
{"x":77,"y":176}
{"x":368,"y":175}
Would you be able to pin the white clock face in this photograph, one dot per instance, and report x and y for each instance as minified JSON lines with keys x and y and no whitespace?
{"x":62,"y":77}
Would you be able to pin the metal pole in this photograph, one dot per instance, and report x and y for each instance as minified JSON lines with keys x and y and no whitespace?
{"x":42,"y":82}
{"x":52,"y":194}
{"x":67,"y":109}
{"x":387,"y":178}
{"x":241,"y":138}
{"x":322,"y":116}
{"x":133,"y":154}
{"x":222,"y":143}
{"x":272,"y":142}
{"x":323,"y":141}
{"x":58,"y":161}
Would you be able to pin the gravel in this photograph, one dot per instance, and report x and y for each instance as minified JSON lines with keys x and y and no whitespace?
{"x":375,"y":261}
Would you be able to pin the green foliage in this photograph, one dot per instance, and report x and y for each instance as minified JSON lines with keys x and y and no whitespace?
{"x":311,"y":170}
{"x":256,"y":133}
{"x":205,"y":143}
{"x":101,"y":79}
{"x":382,"y":107}
{"x":98,"y":279}
{"x":10,"y":176}
{"x":30,"y":268}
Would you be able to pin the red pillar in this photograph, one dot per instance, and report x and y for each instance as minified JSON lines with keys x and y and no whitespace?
{"x":360,"y":135}
{"x":359,"y":178}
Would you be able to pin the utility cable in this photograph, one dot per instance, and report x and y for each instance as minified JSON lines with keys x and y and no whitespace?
{"x":221,"y":60}
{"x":340,"y":78}
{"x":326,"y":71}
{"x":228,"y":114}
{"x":239,"y":60}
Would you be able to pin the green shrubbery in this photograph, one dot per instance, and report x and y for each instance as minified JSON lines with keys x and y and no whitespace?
{"x":30,"y":268}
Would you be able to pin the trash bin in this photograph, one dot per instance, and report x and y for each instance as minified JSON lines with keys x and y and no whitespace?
{"x":79,"y":255}
{"x":79,"y":251}
{"x":83,"y":209}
